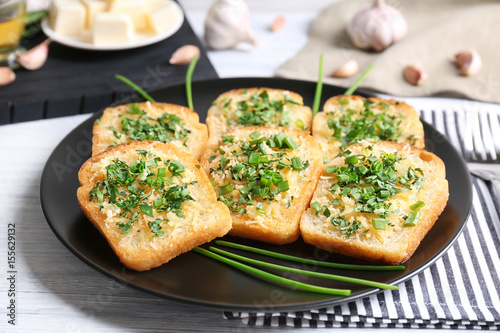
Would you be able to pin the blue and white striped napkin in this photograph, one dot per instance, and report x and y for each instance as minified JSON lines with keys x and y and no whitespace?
{"x":461,"y":290}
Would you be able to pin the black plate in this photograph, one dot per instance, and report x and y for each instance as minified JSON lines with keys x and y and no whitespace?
{"x":195,"y":279}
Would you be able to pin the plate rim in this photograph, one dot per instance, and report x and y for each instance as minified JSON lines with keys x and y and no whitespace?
{"x":237,"y":307}
{"x":61,"y":39}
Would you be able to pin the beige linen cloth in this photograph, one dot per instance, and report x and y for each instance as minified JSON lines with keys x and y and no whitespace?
{"x":437,"y":30}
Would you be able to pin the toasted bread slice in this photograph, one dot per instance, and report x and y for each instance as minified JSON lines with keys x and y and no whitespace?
{"x":367,"y":212}
{"x":265,"y":183}
{"x":167,"y":123}
{"x":345,"y":120}
{"x":256,"y":107}
{"x":173,"y":209}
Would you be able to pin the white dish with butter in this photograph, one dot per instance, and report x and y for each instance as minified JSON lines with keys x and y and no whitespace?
{"x":136,"y":39}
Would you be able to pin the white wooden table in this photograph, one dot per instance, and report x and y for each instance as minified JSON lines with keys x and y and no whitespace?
{"x":55,"y":291}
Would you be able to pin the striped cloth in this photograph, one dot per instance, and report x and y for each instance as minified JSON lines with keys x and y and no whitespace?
{"x":461,"y":290}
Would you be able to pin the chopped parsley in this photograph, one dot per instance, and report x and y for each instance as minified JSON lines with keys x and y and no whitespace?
{"x":168,"y":127}
{"x":371,"y":181}
{"x":260,"y":110}
{"x":130,"y":187}
{"x":252,"y":170}
{"x":350,"y":126}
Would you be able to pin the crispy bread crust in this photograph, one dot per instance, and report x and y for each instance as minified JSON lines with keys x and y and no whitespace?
{"x":402,"y":247}
{"x":411,"y":124}
{"x":283,"y":228}
{"x":135,"y":250}
{"x":215,"y":118}
{"x":195,"y":144}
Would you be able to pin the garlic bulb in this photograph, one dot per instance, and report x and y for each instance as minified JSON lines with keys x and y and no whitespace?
{"x":377,"y":27}
{"x":227,"y":24}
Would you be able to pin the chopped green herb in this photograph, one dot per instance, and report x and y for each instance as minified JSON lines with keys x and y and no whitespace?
{"x":130,"y":187}
{"x":257,"y":170}
{"x":371,"y":181}
{"x":379,"y":223}
{"x":412,"y":219}
{"x":417,"y":205}
{"x":225,"y":189}
{"x":283,"y":186}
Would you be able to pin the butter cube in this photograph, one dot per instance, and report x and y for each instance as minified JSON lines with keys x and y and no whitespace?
{"x":67,"y":17}
{"x":161,"y":16}
{"x":112,"y":29}
{"x":92,"y":8}
{"x":136,"y":9}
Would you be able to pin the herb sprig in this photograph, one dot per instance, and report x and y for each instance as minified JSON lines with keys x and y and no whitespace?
{"x":371,"y":181}
{"x":319,"y":87}
{"x":304,"y":272}
{"x":356,"y":84}
{"x":129,"y":188}
{"x":350,"y":126}
{"x":189,"y":78}
{"x":309,"y":261}
{"x":168,"y":127}
{"x":273,"y":277}
{"x":257,"y":169}
{"x":259,"y":109}
{"x":135,"y":87}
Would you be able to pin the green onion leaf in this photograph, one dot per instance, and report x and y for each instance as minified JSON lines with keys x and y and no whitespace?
{"x":412,"y":219}
{"x":176,"y":167}
{"x":238,"y":167}
{"x":162,"y":172}
{"x":272,"y":277}
{"x":319,"y":87}
{"x":255,"y":135}
{"x":379,"y":223}
{"x":417,"y":205}
{"x":309,"y":261}
{"x":136,"y":87}
{"x":226,"y":189}
{"x":317,"y":207}
{"x":353,"y":159}
{"x":189,"y":76}
{"x":331,"y":169}
{"x":296,"y":163}
{"x":300,"y":124}
{"x":287,"y":141}
{"x":353,"y":88}
{"x":254,"y":158}
{"x":146,"y":209}
{"x":159,"y":202}
{"x":304,"y":272}
{"x":283,"y":186}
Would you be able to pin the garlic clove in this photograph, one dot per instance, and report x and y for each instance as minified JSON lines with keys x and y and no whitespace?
{"x":36,"y":57}
{"x":7,"y":76}
{"x":415,"y":75}
{"x":278,"y":23}
{"x":347,"y":69}
{"x":184,"y":54}
{"x":377,"y":27}
{"x":468,"y":62}
{"x":227,"y":24}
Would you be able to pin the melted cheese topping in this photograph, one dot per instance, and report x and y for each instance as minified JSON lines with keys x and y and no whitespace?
{"x":152,"y":111}
{"x":140,"y":232}
{"x":281,"y":200}
{"x":226,"y":108}
{"x":324,"y":134}
{"x":400,"y":203}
